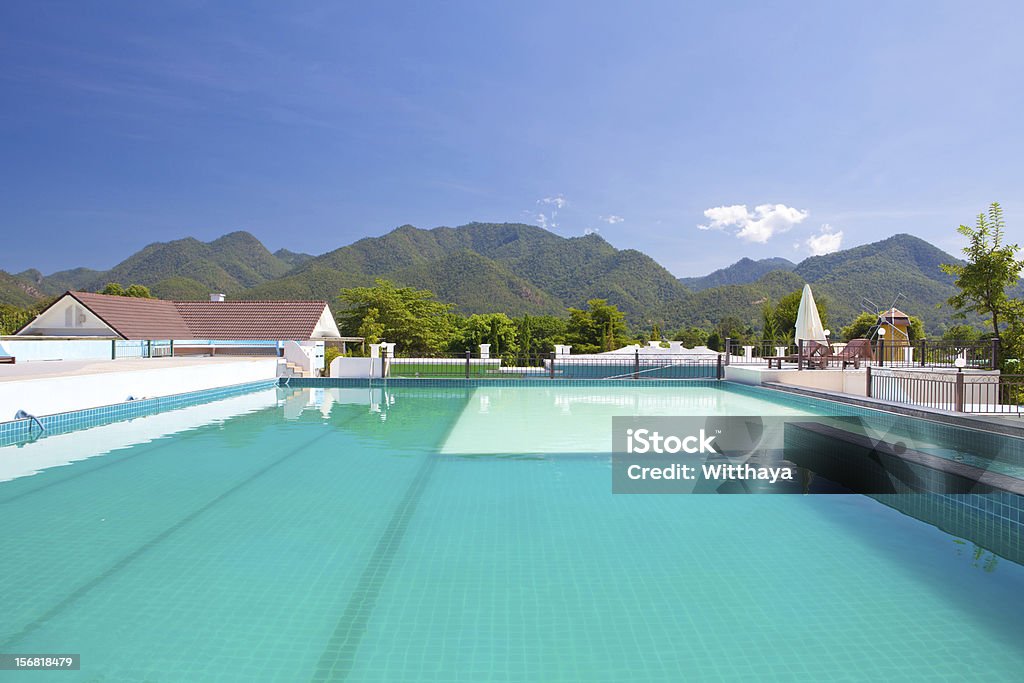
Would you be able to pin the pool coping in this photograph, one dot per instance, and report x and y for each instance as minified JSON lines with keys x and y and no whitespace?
{"x":23,"y":430}
{"x":932,"y":414}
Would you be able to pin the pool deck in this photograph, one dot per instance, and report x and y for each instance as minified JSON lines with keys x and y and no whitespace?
{"x":49,"y":387}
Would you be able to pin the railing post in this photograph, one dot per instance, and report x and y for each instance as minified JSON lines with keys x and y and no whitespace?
{"x":720,"y":371}
{"x":113,"y":349}
{"x":867,"y":381}
{"x":958,"y":398}
{"x":924,"y":342}
{"x":149,"y":348}
{"x":728,"y":342}
{"x":552,"y":365}
{"x":881,"y":352}
{"x":995,"y":353}
{"x":469,"y":354}
{"x":172,"y":349}
{"x":799,"y":354}
{"x":636,"y":364}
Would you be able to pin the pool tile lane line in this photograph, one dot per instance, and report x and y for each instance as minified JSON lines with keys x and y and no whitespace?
{"x":339,"y":655}
{"x":125,"y":561}
{"x":343,"y":646}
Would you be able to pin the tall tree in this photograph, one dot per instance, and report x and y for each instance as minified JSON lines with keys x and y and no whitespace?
{"x":992,"y":267}
{"x":412,"y":318}
{"x":602,"y":327}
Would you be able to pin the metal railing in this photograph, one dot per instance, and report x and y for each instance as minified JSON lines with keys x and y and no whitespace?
{"x":631,"y":366}
{"x":149,"y":348}
{"x":962,"y":392}
{"x":920,"y":353}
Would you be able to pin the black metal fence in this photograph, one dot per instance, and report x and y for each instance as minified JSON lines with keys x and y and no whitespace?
{"x":962,"y":392}
{"x":629,"y":366}
{"x":923,"y":353}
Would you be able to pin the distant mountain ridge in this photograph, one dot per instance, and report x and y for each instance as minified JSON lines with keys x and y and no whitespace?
{"x":743,"y":272}
{"x":517,"y":268}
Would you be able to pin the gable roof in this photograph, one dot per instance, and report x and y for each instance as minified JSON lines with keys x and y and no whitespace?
{"x":251,"y":319}
{"x":138,"y":318}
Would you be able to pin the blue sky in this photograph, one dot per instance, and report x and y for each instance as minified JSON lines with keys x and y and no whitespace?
{"x":314,"y":124}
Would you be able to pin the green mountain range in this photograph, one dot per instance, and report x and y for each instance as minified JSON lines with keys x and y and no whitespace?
{"x":516,"y":269}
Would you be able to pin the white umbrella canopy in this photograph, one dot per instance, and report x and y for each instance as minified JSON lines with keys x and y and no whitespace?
{"x":808,"y":322}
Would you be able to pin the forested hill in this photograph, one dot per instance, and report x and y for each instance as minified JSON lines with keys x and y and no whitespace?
{"x":517,"y":268}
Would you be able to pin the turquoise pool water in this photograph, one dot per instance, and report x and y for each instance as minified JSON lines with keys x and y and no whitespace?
{"x":466,"y":534}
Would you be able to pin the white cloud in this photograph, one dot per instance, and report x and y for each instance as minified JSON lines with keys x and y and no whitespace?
{"x":591,"y":231}
{"x":759,"y":226}
{"x":825,"y":242}
{"x":547,"y":220}
{"x":612,"y":220}
{"x":557,"y":201}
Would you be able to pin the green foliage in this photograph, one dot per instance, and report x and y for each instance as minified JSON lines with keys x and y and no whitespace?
{"x":992,"y":267}
{"x":915,"y":330}
{"x":136,"y":291}
{"x":412,"y":318}
{"x":538,"y":334}
{"x":602,"y":327}
{"x":962,"y":333}
{"x":12,"y":318}
{"x":496,"y":329}
{"x":789,"y":306}
{"x":715,"y":341}
{"x":860,"y":327}
{"x":330,"y":353}
{"x":769,"y":323}
{"x":691,"y":337}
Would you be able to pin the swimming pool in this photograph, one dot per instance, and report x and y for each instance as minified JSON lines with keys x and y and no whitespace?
{"x":468,"y":533}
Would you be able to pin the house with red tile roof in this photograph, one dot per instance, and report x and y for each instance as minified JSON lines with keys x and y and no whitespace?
{"x":294,"y":330}
{"x":86,"y":314}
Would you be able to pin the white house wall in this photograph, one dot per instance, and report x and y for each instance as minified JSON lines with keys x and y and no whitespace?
{"x":68,"y":318}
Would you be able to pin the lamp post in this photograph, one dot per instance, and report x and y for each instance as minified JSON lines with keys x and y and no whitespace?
{"x":881,"y":346}
{"x":960,"y":362}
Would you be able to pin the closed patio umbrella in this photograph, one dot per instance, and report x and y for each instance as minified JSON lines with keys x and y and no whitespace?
{"x":808,"y":322}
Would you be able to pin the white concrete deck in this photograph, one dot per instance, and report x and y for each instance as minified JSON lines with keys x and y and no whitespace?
{"x":849,"y":381}
{"x":48,"y":387}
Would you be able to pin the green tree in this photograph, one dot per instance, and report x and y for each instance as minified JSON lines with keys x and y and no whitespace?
{"x":538,"y":334}
{"x":370,"y":328}
{"x":13,"y":318}
{"x":915,"y":330}
{"x":496,"y":329}
{"x":860,"y":327}
{"x":691,"y":337}
{"x":769,"y":323}
{"x":137,"y":291}
{"x":602,"y":327}
{"x":787,"y":308}
{"x":992,"y":267}
{"x":409,"y":317}
{"x":962,"y":333}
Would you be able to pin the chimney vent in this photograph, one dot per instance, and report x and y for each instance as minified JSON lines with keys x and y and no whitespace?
{"x":216,"y":297}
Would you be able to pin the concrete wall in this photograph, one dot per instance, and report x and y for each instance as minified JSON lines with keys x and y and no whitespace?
{"x":843,"y":381}
{"x":58,"y":394}
{"x":25,"y":350}
{"x":356,"y":367}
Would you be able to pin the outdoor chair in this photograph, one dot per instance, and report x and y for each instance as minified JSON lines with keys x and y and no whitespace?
{"x":816,"y":354}
{"x":853,"y":353}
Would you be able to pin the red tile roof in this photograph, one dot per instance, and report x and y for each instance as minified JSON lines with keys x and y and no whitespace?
{"x":137,"y":318}
{"x":251,"y":319}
